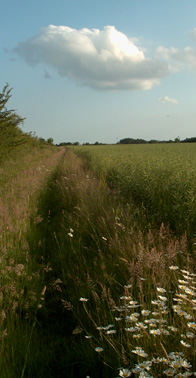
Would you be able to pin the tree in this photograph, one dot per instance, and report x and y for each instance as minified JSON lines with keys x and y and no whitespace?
{"x":50,"y":140}
{"x":10,"y":134}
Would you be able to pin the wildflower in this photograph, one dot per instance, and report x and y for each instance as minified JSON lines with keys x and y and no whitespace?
{"x":182,"y":287}
{"x":127,"y":286}
{"x":133,"y":302}
{"x":155,"y":302}
{"x":137,"y":336}
{"x":152,"y":325}
{"x":111,"y":332}
{"x":155,"y":313}
{"x":173,"y":267}
{"x":136,"y":314}
{"x":155,"y":332}
{"x":131,"y":329}
{"x":164,"y":299}
{"x":190,"y":292}
{"x":185,"y":344}
{"x":173,"y":329}
{"x":99,"y":349}
{"x":152,"y":320}
{"x":164,"y":332}
{"x":161,"y":321}
{"x":83,"y":299}
{"x":176,"y":364}
{"x":136,"y":370}
{"x":185,"y":364}
{"x":184,"y":271}
{"x":190,"y":335}
{"x":104,"y":238}
{"x":88,"y":337}
{"x":176,"y":308}
{"x":70,"y":234}
{"x":164,"y":312}
{"x":133,"y":306}
{"x":145,"y":312}
{"x":161,"y":290}
{"x":127,"y":298}
{"x":140,"y":352}
{"x":109,"y":326}
{"x":188,"y":277}
{"x":141,"y":325}
{"x":124,"y":373}
{"x":183,"y":282}
{"x":144,"y":374}
{"x":191,"y":325}
{"x":169,"y":372}
{"x":181,"y":313}
{"x":160,"y":359}
{"x":144,"y":365}
{"x":132,"y":318}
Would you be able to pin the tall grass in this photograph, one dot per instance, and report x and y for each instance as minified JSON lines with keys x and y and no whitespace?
{"x":101,"y":263}
{"x":23,"y":173}
{"x":86,"y":279}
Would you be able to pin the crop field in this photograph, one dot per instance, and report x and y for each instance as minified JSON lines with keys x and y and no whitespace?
{"x":159,"y":177}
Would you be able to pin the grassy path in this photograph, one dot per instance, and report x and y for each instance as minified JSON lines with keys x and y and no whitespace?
{"x":22,"y":177}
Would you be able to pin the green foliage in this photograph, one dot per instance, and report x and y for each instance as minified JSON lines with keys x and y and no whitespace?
{"x":50,"y":140}
{"x":10,"y":134}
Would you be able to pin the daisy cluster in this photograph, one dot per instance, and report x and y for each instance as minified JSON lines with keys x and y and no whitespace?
{"x":156,"y":327}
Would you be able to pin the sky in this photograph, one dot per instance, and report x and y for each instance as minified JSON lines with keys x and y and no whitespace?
{"x":101,"y":70}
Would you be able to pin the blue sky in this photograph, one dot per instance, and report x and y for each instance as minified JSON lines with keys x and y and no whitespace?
{"x":88,"y":70}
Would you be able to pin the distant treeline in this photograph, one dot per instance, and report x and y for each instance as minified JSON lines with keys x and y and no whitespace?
{"x":143,"y":141}
{"x":134,"y":141}
{"x":77,"y":144}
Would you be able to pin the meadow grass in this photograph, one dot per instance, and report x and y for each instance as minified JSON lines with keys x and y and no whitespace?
{"x":88,"y":286}
{"x":114,"y":284}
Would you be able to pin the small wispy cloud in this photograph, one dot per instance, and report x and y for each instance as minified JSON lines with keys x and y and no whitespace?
{"x":179,"y":59}
{"x":168,"y":100}
{"x":47,"y":75}
{"x":192,"y":34}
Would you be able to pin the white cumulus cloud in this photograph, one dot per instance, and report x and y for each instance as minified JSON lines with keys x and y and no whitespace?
{"x":101,"y":59}
{"x":168,"y":100}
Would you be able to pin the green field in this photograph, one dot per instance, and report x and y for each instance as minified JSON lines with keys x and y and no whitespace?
{"x":161,"y":178}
